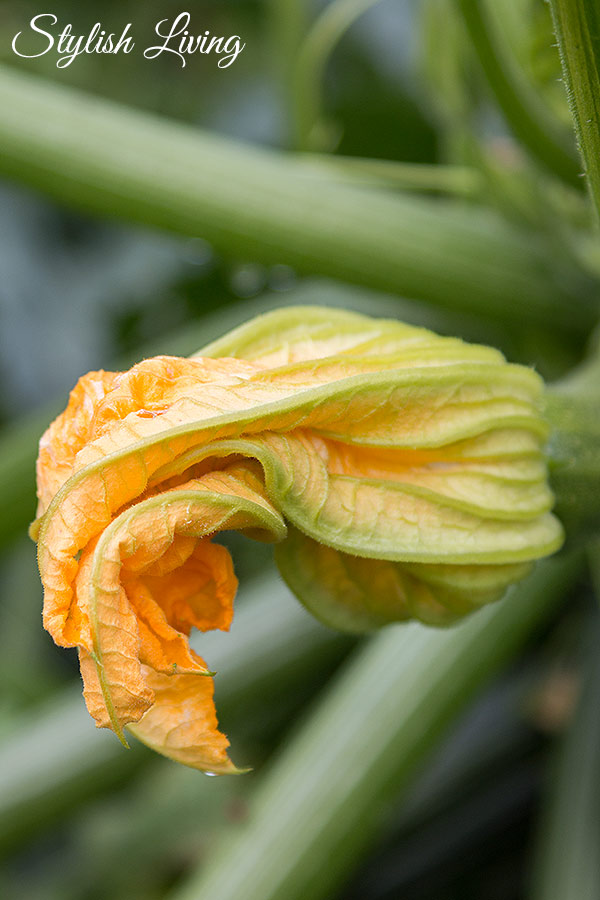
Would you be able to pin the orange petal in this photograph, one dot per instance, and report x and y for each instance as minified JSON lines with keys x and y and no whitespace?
{"x":201,"y":593}
{"x":153,"y":385}
{"x":61,"y":442}
{"x":128,"y":689}
{"x":130,"y":621}
{"x":182,"y":723}
{"x":161,"y":646}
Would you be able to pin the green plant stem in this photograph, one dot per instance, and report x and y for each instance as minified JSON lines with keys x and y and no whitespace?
{"x":577,"y":27}
{"x":567,"y":853}
{"x":572,"y":406}
{"x":529,"y":121}
{"x":261,"y":205}
{"x":315,"y":51}
{"x":317,"y":809}
{"x":56,"y":758}
{"x":449,"y":85}
{"x":18,"y":452}
{"x":287,"y":25}
{"x":593,"y":553}
{"x":460,"y":181}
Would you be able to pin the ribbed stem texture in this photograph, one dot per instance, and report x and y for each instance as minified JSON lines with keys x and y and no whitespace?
{"x":261,"y":205}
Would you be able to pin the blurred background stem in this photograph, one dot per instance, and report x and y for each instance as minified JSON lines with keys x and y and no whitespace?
{"x":521,"y":106}
{"x":319,"y":807}
{"x":312,"y":130}
{"x":110,"y":160}
{"x":288,"y":22}
{"x":458,"y":181}
{"x":567,"y":852}
{"x":49,"y":761}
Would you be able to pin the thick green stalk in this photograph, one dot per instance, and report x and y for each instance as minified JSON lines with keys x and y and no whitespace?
{"x":56,"y":758}
{"x":577,"y":27}
{"x":573,"y":409}
{"x":317,"y":809}
{"x":567,"y":854}
{"x":526,"y":116}
{"x":287,"y":25}
{"x":261,"y":205}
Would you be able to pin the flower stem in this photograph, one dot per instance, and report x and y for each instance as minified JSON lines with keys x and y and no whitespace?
{"x":318,"y":808}
{"x":577,"y":26}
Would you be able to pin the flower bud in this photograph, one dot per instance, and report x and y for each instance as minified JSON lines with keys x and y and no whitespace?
{"x":400,"y":474}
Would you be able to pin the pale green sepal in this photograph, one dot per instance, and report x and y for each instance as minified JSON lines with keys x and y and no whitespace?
{"x":356,"y":594}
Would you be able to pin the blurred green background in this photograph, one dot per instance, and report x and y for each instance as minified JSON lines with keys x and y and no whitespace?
{"x":393,"y":102}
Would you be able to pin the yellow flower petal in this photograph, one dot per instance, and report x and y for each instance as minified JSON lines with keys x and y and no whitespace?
{"x":68,"y":434}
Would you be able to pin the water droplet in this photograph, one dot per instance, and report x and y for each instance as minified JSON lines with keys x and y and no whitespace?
{"x":211,"y":774}
{"x":197,"y":252}
{"x":248,"y":280}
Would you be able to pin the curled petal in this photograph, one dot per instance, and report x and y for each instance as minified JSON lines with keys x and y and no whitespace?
{"x":182,"y":724}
